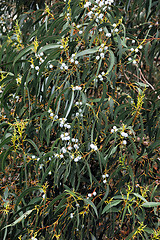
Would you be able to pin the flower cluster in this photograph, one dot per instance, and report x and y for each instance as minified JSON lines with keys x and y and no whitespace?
{"x":114,"y":129}
{"x":52,"y":115}
{"x":77,"y":88}
{"x":63,"y":67}
{"x":98,"y":11}
{"x":93,"y":147}
{"x":104,"y":176}
{"x":65,"y":136}
{"x":73,"y":59}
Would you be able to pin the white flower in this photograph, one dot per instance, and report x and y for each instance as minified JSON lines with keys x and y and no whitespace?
{"x":50,"y":66}
{"x":114,"y":129}
{"x":90,"y":14}
{"x":101,"y":4}
{"x":33,"y":238}
{"x":76,"y":146}
{"x":99,"y":76}
{"x":67,"y":125}
{"x":55,"y":117}
{"x":132,"y":49}
{"x":69,"y":148}
{"x":41,"y":166}
{"x":100,"y":49}
{"x":77,"y":158}
{"x":133,"y":41}
{"x":80,"y":32}
{"x":129,"y":59}
{"x":104,"y":181}
{"x":116,"y":29}
{"x":114,"y":24}
{"x":87,"y":4}
{"x":97,"y":57}
{"x":33,"y":156}
{"x":51,"y":114}
{"x":63,"y":66}
{"x":108,"y":34}
{"x":134,"y":62}
{"x":93,"y":146}
{"x":77,"y":88}
{"x":124,"y":142}
{"x":140,"y":47}
{"x":65,"y":136}
{"x":101,"y":16}
{"x":136,"y":50}
{"x":94,"y":193}
{"x":63,"y":150}
{"x":102,"y":55}
{"x":37,"y":68}
{"x":49,"y":173}
{"x":71,"y":215}
{"x":123,"y":134}
{"x":89,"y":195}
{"x":76,"y":62}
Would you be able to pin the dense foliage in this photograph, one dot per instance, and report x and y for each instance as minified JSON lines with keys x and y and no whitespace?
{"x":79,"y":121}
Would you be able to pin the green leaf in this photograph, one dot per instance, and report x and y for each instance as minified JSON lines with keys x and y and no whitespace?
{"x":5,"y":141}
{"x":111,"y":60}
{"x":150,"y":204}
{"x":71,"y":103}
{"x":110,"y":205}
{"x":49,"y":47}
{"x":92,"y":237}
{"x":26,"y":192}
{"x":26,"y":214}
{"x":89,"y":202}
{"x":22,"y":53}
{"x":139,"y":196}
{"x":88,"y":51}
{"x":34,"y":145}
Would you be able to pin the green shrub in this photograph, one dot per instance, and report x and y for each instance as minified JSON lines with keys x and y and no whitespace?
{"x":79,"y":124}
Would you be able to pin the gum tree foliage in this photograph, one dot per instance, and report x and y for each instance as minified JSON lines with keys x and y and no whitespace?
{"x":79,"y":121}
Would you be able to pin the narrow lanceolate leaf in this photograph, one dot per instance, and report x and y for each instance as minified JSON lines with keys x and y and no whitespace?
{"x":150,"y":204}
{"x":24,"y":193}
{"x":89,"y":202}
{"x":49,"y":47}
{"x":110,"y":205}
{"x":112,"y":60}
{"x":19,"y":219}
{"x":87,"y":51}
{"x":22,"y":53}
{"x":70,"y":104}
{"x":139,"y":196}
{"x":34,"y":145}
